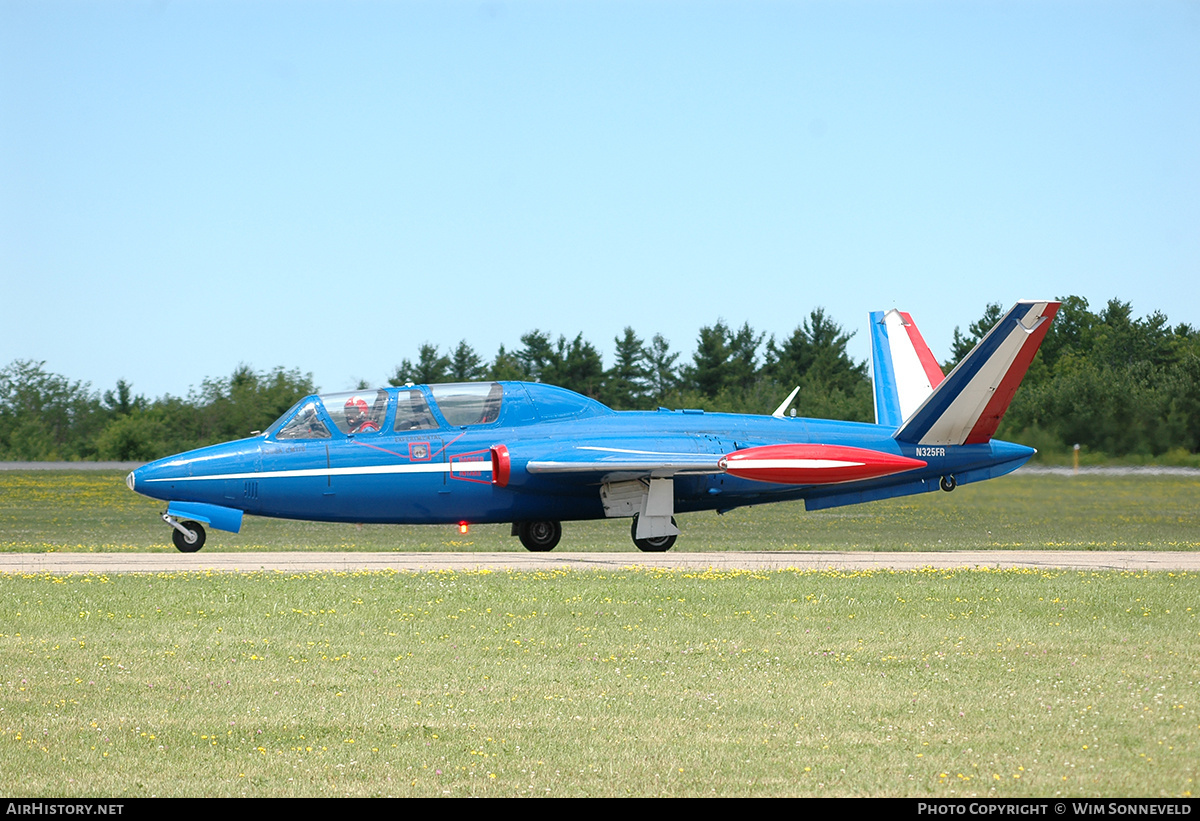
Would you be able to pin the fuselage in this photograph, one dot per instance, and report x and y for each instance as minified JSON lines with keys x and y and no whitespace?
{"x":428,"y":455}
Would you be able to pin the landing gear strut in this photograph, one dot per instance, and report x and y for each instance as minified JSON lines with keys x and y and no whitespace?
{"x":539,"y":536}
{"x":187,"y":536}
{"x":659,"y":544}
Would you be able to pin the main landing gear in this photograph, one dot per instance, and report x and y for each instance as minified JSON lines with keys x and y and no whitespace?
{"x":540,"y":537}
{"x":187,"y":536}
{"x":660,"y":544}
{"x":948,"y":483}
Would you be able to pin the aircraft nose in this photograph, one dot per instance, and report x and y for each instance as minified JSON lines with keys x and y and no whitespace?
{"x":141,"y":480}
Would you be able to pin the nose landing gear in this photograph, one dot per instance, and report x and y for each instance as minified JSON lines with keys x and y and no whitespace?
{"x":188,"y":536}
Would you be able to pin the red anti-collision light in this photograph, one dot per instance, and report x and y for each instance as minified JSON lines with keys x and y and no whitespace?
{"x":462,"y":527}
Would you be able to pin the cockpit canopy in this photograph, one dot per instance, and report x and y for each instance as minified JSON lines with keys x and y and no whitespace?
{"x":349,"y":413}
{"x":364,"y":412}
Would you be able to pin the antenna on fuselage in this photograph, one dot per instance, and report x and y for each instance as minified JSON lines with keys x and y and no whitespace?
{"x":778,"y":414}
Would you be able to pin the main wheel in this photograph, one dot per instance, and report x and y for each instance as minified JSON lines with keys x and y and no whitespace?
{"x":181,"y":541}
{"x":539,"y":536}
{"x":658,"y":544}
{"x":948,"y":483}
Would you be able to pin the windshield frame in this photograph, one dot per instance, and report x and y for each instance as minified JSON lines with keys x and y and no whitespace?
{"x":336,"y":424}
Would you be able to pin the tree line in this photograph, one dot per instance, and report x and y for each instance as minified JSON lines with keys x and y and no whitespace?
{"x":1106,"y":380}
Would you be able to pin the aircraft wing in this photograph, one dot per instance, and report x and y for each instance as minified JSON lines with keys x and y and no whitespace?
{"x":609,"y":462}
{"x":789,"y":464}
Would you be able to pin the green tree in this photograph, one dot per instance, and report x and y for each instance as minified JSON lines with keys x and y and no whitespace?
{"x":137,"y":436}
{"x":1110,"y":382}
{"x":577,"y":366}
{"x":466,"y":365}
{"x":627,"y":382}
{"x":816,"y":352}
{"x":742,"y":371}
{"x":660,"y":361}
{"x":1120,"y":340}
{"x":506,"y":366}
{"x":815,"y":358}
{"x":963,"y":343}
{"x":432,"y":367}
{"x":1182,"y":389}
{"x":1071,"y":332}
{"x":235,"y":406}
{"x":709,"y":372}
{"x":539,"y":361}
{"x":429,"y":369}
{"x":122,"y":402}
{"x":45,"y":416}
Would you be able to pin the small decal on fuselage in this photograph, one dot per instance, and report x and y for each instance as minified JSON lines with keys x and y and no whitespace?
{"x":418,"y":451}
{"x":271,"y":451}
{"x":458,"y":469}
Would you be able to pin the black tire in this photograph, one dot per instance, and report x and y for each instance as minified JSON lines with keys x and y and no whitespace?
{"x":948,"y":483}
{"x":539,"y":537}
{"x":660,"y":544}
{"x":181,"y":542}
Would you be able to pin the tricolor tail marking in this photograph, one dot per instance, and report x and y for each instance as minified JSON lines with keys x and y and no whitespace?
{"x":966,"y":408}
{"x":904,"y":369}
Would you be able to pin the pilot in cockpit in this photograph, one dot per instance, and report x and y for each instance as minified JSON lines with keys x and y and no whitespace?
{"x":358,"y":419}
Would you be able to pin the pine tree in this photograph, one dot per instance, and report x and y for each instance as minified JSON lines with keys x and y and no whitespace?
{"x":709,"y":372}
{"x":578,"y":367}
{"x":506,"y":366}
{"x":466,"y":365}
{"x":628,"y":381}
{"x":661,"y":364}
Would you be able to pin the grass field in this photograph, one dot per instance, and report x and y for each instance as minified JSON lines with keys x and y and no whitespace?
{"x":582,"y":683}
{"x":93,"y":511}
{"x":957,"y":683}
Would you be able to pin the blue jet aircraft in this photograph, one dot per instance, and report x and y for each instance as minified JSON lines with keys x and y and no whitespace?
{"x":537,"y":455}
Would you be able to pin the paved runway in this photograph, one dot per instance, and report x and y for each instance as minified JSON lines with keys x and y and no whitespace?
{"x":297,"y":562}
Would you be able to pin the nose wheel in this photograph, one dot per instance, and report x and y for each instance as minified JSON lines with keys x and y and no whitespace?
{"x":948,"y":483}
{"x":188,"y":536}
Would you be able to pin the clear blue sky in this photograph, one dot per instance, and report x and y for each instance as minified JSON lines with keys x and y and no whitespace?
{"x":189,"y":185}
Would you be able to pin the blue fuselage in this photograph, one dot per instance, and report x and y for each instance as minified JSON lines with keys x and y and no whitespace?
{"x":442,"y":472}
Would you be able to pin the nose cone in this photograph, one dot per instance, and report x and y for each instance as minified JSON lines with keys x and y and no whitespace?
{"x":144,"y":480}
{"x":154,"y":478}
{"x":198,"y":475}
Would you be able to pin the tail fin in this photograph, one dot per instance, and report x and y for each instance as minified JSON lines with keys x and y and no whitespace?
{"x":966,"y":408}
{"x":904,"y":370}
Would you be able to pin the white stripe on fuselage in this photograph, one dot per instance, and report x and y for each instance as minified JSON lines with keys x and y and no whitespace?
{"x":638,"y":452}
{"x":484,"y":466}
